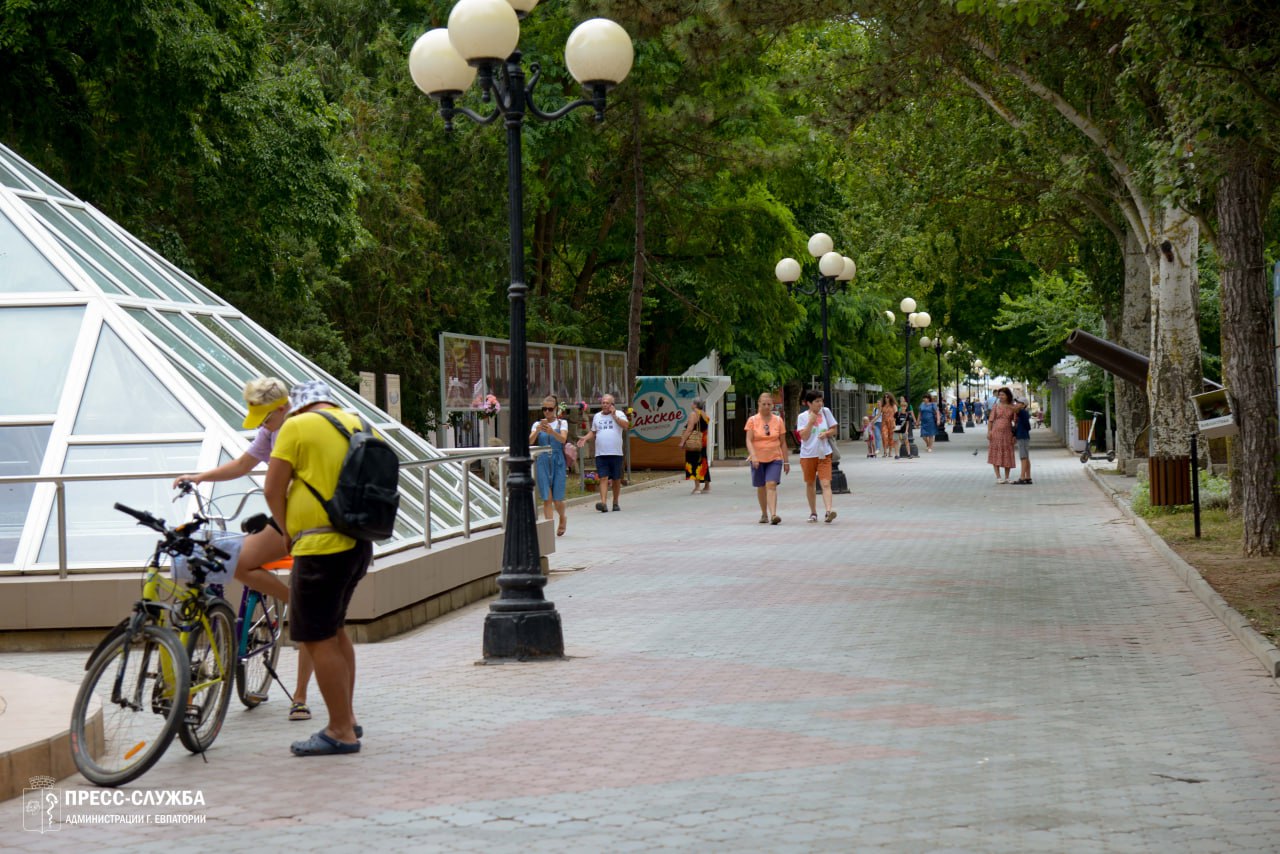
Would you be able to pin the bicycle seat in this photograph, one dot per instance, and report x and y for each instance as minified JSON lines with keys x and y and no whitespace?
{"x":255,"y":523}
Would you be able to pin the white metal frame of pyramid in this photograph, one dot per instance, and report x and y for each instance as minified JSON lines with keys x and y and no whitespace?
{"x":112,"y":360}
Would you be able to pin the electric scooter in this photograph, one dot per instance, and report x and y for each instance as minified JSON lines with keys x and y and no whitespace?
{"x":1091,"y":445}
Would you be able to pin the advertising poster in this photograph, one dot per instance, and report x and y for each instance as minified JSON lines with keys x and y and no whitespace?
{"x":662,"y":407}
{"x":497,"y":368}
{"x":369,"y":386}
{"x":538,"y":357}
{"x":615,"y":378}
{"x":463,"y":374}
{"x":591,"y":375}
{"x":565,"y":380}
{"x":393,"y":396}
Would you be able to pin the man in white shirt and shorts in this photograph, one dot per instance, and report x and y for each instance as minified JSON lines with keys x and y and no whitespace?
{"x":608,"y":427}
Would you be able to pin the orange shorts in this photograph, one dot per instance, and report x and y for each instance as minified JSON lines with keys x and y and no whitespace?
{"x":819,"y":467}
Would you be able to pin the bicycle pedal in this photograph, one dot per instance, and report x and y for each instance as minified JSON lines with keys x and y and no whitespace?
{"x":192,"y":717}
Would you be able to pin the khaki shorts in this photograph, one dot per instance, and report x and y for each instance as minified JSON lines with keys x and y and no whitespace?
{"x":816,"y":466}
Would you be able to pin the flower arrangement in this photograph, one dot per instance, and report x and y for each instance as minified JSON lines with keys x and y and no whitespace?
{"x":491,"y":407}
{"x":580,"y":408}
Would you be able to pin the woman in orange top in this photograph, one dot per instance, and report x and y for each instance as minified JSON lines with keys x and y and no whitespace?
{"x":888,"y":413}
{"x":769,"y":456}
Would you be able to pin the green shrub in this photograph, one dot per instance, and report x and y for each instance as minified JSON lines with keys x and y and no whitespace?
{"x":1215,"y":492}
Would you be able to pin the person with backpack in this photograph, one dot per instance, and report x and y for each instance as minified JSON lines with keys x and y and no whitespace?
{"x":324,"y":451}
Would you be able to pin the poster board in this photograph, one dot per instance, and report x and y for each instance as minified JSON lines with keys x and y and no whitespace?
{"x":662,"y":408}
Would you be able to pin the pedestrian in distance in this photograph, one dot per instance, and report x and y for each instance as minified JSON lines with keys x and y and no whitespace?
{"x":1000,"y":435}
{"x":929,"y":416}
{"x":1022,"y":438}
{"x":769,"y":456}
{"x":888,"y":424}
{"x":694,"y":441}
{"x":815,"y":426}
{"x":551,"y":468}
{"x":905,"y":429}
{"x":869,"y":433}
{"x":268,"y":402}
{"x":608,"y":428}
{"x":327,"y":565}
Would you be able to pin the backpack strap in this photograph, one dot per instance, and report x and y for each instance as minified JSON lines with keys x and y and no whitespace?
{"x":364,"y":427}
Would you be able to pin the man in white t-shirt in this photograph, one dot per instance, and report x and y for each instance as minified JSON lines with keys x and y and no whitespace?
{"x":816,"y":425}
{"x":608,"y":427}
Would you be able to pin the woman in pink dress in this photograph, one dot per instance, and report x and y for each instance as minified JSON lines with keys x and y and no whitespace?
{"x":1000,"y":434}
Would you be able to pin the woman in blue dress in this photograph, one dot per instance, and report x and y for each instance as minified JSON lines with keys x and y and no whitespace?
{"x":928,"y":422}
{"x":550,"y":469}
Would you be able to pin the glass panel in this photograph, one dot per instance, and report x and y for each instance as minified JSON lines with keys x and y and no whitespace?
{"x":187,"y":354}
{"x":227,"y":411}
{"x":35,"y":350}
{"x":25,"y":269}
{"x":260,"y":366}
{"x":226,"y":496}
{"x":166,"y":266}
{"x":10,"y":178}
{"x":72,"y":232}
{"x":96,"y":531}
{"x":21,"y":452}
{"x":278,"y":354}
{"x":123,"y":396}
{"x":137,"y":263}
{"x":40,"y":181}
{"x":86,"y":266}
{"x":211,"y":346}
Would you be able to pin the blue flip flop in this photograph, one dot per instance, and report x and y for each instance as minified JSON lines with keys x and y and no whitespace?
{"x":322,"y":744}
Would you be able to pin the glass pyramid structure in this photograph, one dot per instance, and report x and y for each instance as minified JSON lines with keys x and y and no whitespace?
{"x":113,"y":361}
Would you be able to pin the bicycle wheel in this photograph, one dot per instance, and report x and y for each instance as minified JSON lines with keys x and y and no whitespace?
{"x":213,"y":655}
{"x":129,"y":705}
{"x":261,"y":633}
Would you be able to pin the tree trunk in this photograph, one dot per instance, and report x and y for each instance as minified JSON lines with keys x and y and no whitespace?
{"x":638,"y":267}
{"x":1135,"y":334}
{"x":1175,"y":372}
{"x":1248,"y":360}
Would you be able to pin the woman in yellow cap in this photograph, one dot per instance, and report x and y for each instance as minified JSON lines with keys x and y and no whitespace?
{"x":268,"y":402}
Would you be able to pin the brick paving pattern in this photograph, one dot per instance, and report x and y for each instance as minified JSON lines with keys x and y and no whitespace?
{"x":950,"y":665}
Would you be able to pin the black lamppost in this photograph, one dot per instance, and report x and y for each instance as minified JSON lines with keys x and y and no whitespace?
{"x":958,"y":425}
{"x":935,"y":344}
{"x":914,"y":320}
{"x":834,"y":270}
{"x":977,"y":366}
{"x":481,"y":41}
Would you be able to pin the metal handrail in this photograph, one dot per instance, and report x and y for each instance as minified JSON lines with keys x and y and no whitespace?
{"x":452,"y":456}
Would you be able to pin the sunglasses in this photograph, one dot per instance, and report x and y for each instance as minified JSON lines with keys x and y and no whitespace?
{"x":548,"y":409}
{"x":766,"y":428}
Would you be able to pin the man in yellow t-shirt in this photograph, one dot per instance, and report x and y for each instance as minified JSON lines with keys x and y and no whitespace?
{"x":327,"y":565}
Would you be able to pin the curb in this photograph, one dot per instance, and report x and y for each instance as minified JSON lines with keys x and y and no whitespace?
{"x":1235,"y":622}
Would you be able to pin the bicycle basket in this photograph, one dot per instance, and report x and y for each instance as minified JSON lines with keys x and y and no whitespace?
{"x":230,"y":542}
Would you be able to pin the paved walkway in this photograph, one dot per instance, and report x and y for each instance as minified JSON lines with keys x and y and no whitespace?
{"x":951,"y":665}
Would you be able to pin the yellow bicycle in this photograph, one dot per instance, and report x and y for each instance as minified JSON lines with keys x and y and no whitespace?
{"x":166,"y":669}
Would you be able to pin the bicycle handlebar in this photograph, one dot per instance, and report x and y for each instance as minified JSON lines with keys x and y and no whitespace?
{"x":143,"y":517}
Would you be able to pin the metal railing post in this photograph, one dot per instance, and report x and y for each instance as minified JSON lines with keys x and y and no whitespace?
{"x":60,"y":495}
{"x":466,"y":500}
{"x":502,"y":490}
{"x":426,"y":505}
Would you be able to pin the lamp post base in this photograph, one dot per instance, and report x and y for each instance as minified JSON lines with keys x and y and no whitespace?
{"x":839,"y":483}
{"x":942,"y":436}
{"x":958,"y":427}
{"x":523,"y":635}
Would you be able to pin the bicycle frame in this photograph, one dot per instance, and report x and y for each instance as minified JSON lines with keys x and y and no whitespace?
{"x":184,"y":616}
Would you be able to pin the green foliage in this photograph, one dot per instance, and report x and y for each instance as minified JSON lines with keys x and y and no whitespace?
{"x":1215,"y":494}
{"x":1090,"y":395}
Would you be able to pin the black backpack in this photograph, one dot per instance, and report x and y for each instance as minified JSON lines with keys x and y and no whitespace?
{"x":367,"y":497}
